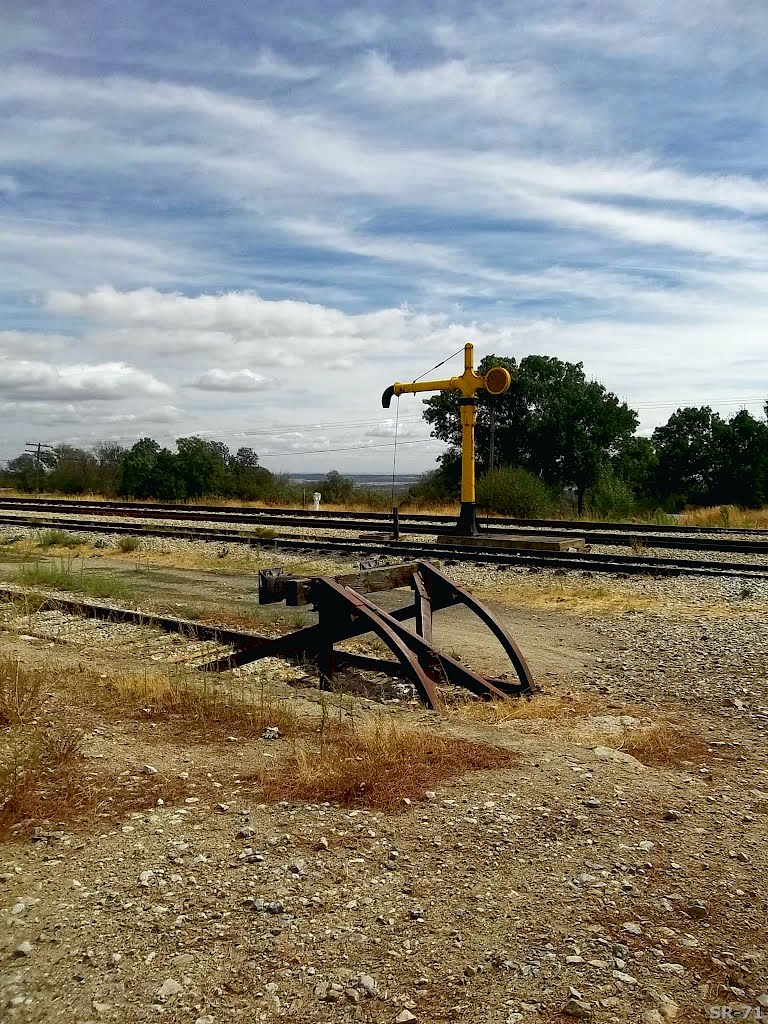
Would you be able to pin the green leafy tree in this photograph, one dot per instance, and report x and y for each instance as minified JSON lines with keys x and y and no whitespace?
{"x":75,"y":471}
{"x":689,"y":448}
{"x":553,"y":421}
{"x":249,"y":480}
{"x":167,"y":482}
{"x":202,"y":465}
{"x":743,"y":461}
{"x":636,"y":463}
{"x":336,"y":488}
{"x":136,"y":478}
{"x":110,"y":459}
{"x":22,"y":473}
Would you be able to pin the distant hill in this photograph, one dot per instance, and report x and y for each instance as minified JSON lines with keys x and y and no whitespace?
{"x":402,"y":480}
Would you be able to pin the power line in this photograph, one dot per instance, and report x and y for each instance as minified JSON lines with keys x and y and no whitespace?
{"x":262,"y":432}
{"x":709,"y":401}
{"x":351,"y":448}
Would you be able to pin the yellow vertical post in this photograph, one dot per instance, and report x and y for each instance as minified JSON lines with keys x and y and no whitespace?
{"x":468,"y":421}
{"x":468,"y":414}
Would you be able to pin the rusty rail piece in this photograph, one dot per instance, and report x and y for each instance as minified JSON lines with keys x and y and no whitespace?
{"x":345,"y":612}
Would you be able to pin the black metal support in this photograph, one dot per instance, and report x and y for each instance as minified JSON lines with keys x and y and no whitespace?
{"x":466,"y":524}
{"x":395,"y":523}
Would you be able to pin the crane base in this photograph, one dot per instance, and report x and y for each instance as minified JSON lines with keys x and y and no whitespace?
{"x":521,"y":542}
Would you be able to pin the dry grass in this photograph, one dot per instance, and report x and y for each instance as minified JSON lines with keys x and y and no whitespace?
{"x":21,"y":692}
{"x":44,"y":780}
{"x":727,"y":516}
{"x":580,"y":598}
{"x":665,"y":746}
{"x":237,"y":559}
{"x":36,"y":777}
{"x":277,"y":619}
{"x":44,"y":776}
{"x":190,"y":703}
{"x":378,"y":765}
{"x":551,"y":707}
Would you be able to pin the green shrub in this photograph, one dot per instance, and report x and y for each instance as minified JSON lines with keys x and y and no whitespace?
{"x":435,"y":486}
{"x":336,"y":489}
{"x":515,"y":492}
{"x":662,"y":518}
{"x":611,"y":498}
{"x":128,"y":544}
{"x":58,"y":538}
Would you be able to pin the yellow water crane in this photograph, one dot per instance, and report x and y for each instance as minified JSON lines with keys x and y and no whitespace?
{"x":495,"y":382}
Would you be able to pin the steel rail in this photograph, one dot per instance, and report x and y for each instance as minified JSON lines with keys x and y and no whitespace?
{"x":611,"y":563}
{"x":571,"y":525}
{"x":168,"y":623}
{"x":360,"y":522}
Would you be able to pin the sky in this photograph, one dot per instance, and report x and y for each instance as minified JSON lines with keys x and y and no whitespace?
{"x":246,"y":220}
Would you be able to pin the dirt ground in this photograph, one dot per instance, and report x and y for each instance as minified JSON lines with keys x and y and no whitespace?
{"x":581,"y":883}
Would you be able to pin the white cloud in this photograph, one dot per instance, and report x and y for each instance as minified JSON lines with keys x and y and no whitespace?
{"x":525,"y":93}
{"x":229,"y":380}
{"x":269,"y":64}
{"x":43,"y":382}
{"x":25,"y":343}
{"x":280,"y":331}
{"x":50,"y":251}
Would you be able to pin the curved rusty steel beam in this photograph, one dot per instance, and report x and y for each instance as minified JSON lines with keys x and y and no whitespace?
{"x":355,"y":605}
{"x":436,"y":580}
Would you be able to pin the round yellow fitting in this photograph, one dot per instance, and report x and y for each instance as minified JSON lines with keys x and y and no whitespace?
{"x":497,"y":380}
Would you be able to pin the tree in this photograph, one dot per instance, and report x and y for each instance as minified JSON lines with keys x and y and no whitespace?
{"x":136,"y":478}
{"x":636,"y":463}
{"x":249,"y":480}
{"x":167,"y":481}
{"x":23,"y":472}
{"x":202,"y":465}
{"x":743,"y":461}
{"x":110,"y":459}
{"x":337,"y":488}
{"x":689,"y":448}
{"x":553,"y":421}
{"x":75,"y":471}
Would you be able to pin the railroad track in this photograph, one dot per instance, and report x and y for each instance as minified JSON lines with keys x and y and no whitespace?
{"x":162,"y":639}
{"x":503,"y":557}
{"x":616,"y":534}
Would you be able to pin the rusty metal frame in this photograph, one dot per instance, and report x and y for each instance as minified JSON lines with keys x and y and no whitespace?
{"x":344,"y":612}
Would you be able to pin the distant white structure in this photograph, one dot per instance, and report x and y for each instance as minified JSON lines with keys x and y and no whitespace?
{"x":316,"y":501}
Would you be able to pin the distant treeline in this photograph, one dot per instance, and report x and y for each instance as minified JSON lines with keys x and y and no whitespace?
{"x":198,"y":468}
{"x":562,"y":443}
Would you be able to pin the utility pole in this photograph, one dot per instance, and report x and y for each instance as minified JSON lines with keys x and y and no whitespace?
{"x":35,"y":448}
